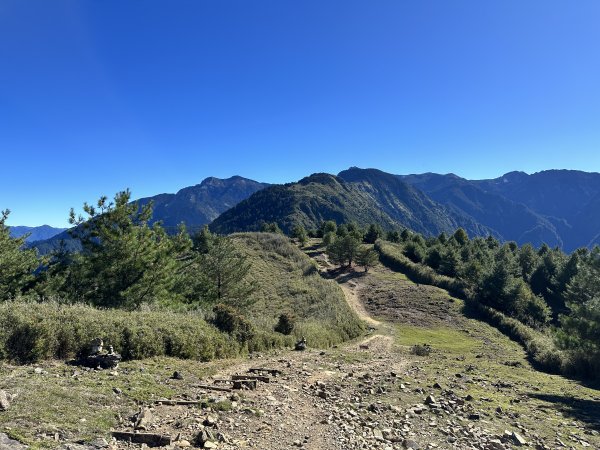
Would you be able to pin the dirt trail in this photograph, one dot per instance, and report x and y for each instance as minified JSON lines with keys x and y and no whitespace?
{"x":355,"y":304}
{"x":370,"y":393}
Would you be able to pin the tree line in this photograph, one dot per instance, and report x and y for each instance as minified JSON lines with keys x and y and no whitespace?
{"x":544,"y":288}
{"x":126,"y":262}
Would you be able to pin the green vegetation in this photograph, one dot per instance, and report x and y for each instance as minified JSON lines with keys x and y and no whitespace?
{"x":148,"y":293}
{"x":16,"y":265}
{"x":32,"y":331}
{"x":546,"y":300}
{"x":289,"y":282}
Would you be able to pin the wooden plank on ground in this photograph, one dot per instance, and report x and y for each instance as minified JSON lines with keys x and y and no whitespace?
{"x":213,"y":388}
{"x":177,"y":402}
{"x":262,"y":378}
{"x":245,"y":384}
{"x":150,"y":439}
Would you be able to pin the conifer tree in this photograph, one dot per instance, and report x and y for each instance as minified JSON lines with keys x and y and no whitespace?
{"x":17,"y":265}
{"x":124,"y":262}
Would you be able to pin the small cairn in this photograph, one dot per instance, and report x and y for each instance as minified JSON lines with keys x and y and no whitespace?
{"x":301,"y":344}
{"x":98,"y":358}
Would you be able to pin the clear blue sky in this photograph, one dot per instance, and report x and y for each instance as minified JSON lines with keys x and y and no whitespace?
{"x":97,"y":96}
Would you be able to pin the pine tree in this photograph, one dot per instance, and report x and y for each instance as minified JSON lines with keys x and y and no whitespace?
{"x":366,"y":257}
{"x":125,"y":262}
{"x":373,"y":233}
{"x":223,"y":273}
{"x":17,"y":265}
{"x":343,"y":250}
{"x":299,"y":233}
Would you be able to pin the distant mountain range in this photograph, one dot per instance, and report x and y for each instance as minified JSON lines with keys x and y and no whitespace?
{"x":363,"y":196}
{"x":35,"y":233}
{"x":195,"y":206}
{"x":557,"y":207}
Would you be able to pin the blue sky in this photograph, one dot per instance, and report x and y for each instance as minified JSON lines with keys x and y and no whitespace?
{"x":97,"y":96}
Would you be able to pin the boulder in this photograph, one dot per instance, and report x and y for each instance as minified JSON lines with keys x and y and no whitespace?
{"x":4,"y":401}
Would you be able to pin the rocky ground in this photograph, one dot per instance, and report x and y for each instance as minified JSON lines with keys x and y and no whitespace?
{"x":424,"y":377}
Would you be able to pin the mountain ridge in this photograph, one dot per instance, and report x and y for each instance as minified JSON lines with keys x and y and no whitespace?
{"x":36,"y":233}
{"x":555,"y":207}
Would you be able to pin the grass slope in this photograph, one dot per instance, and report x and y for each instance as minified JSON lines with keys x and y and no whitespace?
{"x":288,"y":281}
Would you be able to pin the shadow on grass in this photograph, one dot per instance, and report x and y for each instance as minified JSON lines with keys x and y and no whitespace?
{"x":587,"y":411}
{"x":342,"y":274}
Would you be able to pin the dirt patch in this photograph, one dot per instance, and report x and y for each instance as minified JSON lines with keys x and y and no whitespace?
{"x":402,"y":301}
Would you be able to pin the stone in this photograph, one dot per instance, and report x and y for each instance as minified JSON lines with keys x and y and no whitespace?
{"x":7,"y":443}
{"x":210,"y":421}
{"x":378,"y":434}
{"x":430,"y":399}
{"x":101,"y":361}
{"x":4,"y":401}
{"x":143,"y":419}
{"x":99,"y":443}
{"x":300,"y":345}
{"x":410,"y":444}
{"x":204,"y":437}
{"x":177,"y":375}
{"x":518,"y":439}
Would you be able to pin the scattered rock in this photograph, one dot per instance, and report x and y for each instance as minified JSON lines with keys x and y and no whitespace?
{"x":430,"y":399}
{"x":4,"y":401}
{"x":143,"y":419}
{"x":7,"y":443}
{"x":518,"y":439}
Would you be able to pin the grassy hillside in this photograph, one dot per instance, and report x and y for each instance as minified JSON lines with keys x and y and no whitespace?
{"x":285,"y":279}
{"x":288,"y":281}
{"x":538,"y":345}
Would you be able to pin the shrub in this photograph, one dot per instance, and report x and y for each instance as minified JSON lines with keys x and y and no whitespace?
{"x":420,"y":349}
{"x":229,"y":320}
{"x":391,"y":255}
{"x":286,"y":323}
{"x":30,"y":332}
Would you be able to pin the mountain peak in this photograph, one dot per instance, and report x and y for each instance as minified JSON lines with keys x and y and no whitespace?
{"x":214,"y":181}
{"x":320,"y":178}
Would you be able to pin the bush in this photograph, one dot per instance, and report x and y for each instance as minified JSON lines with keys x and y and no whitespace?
{"x":540,"y":348}
{"x":286,"y":324}
{"x":420,"y":349}
{"x":229,"y":320}
{"x":31,"y":332}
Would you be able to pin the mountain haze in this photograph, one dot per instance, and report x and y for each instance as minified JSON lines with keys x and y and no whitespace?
{"x":35,"y":233}
{"x":200,"y":204}
{"x":556,"y":207}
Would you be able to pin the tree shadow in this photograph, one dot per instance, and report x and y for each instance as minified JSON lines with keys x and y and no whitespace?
{"x":587,"y":411}
{"x":342,"y":274}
